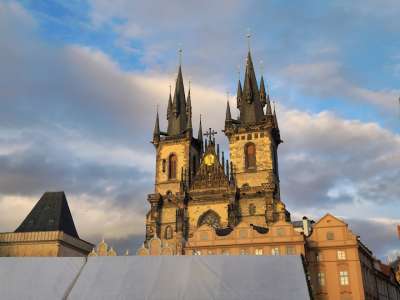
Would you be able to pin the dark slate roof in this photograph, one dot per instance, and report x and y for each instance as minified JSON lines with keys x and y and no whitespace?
{"x":51,"y":213}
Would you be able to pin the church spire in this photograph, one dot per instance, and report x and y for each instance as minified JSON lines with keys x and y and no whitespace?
{"x":251,"y":109}
{"x":177,"y":121}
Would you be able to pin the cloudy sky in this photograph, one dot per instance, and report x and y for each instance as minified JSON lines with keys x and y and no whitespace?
{"x":80,"y":82}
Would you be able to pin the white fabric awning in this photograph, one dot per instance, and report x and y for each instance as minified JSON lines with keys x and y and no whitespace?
{"x":155,"y":277}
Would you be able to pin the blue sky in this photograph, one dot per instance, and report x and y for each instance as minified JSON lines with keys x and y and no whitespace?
{"x":80,"y":81}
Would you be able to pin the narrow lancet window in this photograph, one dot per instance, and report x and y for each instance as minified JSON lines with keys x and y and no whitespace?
{"x":172,"y":166}
{"x":250,"y":156}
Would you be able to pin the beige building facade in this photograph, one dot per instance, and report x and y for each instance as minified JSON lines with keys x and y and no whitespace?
{"x":42,"y":243}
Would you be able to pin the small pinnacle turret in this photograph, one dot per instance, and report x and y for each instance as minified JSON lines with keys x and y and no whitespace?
{"x":268,"y":111}
{"x":156,"y":132}
{"x":169,"y":109}
{"x":275,"y":119}
{"x":189,"y":127}
{"x":239,"y":94}
{"x":200,"y":133}
{"x":228,"y":112}
{"x":263,"y":96}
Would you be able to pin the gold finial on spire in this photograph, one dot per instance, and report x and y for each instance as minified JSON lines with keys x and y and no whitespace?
{"x":170,"y":89}
{"x":190,"y":82}
{"x":238,"y":71}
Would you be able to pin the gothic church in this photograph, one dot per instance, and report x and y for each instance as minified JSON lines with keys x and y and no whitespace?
{"x":196,"y":186}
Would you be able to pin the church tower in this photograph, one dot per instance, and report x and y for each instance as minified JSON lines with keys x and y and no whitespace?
{"x":178,"y":152}
{"x":177,"y":159}
{"x":253,"y":142}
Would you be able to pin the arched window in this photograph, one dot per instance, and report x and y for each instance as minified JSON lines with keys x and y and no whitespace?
{"x":250,"y":156}
{"x":172,"y":166}
{"x":211,"y":218}
{"x":168,"y":233}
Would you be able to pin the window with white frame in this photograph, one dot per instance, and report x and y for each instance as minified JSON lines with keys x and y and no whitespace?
{"x":344,"y":278}
{"x":321,"y":278}
{"x":259,"y":251}
{"x":341,"y":255}
{"x":196,"y":252}
{"x":275,"y":251}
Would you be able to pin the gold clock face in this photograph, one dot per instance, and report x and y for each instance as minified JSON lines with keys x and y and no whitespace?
{"x":209,"y":159}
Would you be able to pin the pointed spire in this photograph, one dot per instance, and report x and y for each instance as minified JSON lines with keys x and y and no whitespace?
{"x":228,"y":116}
{"x":178,"y":118}
{"x":251,"y":109}
{"x":223,"y":161}
{"x":169,"y":110}
{"x":275,"y":118}
{"x":268,"y":111}
{"x":200,"y":134}
{"x":156,"y":132}
{"x":250,"y":88}
{"x":189,"y":113}
{"x":239,"y":95}
{"x":263,"y":96}
{"x":179,"y":94}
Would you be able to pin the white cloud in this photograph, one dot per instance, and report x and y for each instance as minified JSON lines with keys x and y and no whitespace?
{"x":89,"y":123}
{"x":326,"y":79}
{"x":93,"y":216}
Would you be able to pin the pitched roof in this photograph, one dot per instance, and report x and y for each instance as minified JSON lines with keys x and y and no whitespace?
{"x":51,"y":213}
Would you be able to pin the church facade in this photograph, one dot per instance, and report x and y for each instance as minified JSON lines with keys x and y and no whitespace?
{"x":209,"y":203}
{"x":195,"y":185}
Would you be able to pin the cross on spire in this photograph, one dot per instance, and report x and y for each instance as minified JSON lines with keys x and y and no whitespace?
{"x":210,"y":134}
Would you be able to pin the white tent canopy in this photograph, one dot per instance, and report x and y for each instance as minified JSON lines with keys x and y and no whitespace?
{"x":161,"y":277}
{"x":38,"y":277}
